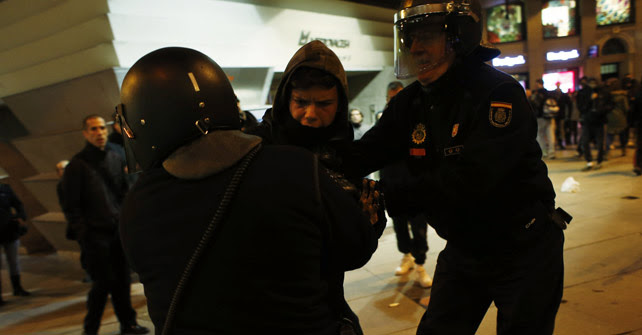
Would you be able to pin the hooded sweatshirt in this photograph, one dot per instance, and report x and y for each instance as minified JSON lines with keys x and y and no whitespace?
{"x":279,"y":127}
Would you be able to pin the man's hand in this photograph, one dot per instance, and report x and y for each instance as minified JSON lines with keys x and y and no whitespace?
{"x":370,"y":200}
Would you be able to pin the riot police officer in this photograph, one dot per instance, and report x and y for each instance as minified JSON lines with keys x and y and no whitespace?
{"x":468,"y":131}
{"x":229,"y":236}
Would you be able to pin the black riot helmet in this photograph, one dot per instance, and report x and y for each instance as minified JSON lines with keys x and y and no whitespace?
{"x":170,"y":97}
{"x":460,"y":20}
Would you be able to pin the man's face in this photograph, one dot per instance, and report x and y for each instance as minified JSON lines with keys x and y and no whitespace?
{"x":431,"y":54}
{"x":95,"y":132}
{"x":356,"y":117}
{"x":392,"y":93}
{"x":314,"y":107}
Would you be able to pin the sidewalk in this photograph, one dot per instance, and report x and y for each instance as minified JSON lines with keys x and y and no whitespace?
{"x":603,"y":281}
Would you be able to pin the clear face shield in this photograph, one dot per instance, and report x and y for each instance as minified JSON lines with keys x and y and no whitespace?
{"x":422,"y":42}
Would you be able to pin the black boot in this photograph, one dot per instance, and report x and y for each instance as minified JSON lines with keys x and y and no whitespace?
{"x":17,"y":288}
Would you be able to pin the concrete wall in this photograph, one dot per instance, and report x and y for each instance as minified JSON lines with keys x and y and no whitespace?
{"x":61,"y":107}
{"x":368,"y":92}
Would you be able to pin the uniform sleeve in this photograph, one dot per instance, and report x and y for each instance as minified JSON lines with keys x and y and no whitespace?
{"x":382,"y":144}
{"x":352,"y":239}
{"x":72,"y":185}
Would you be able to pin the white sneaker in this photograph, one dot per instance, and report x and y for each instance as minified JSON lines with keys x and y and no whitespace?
{"x":407,"y":263}
{"x":422,"y":277}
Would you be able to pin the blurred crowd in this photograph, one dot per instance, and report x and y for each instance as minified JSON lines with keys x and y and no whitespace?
{"x":594,"y":115}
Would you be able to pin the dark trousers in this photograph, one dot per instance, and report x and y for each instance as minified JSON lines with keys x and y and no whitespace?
{"x":105,"y":262}
{"x":526,"y":286}
{"x":593,"y":133}
{"x":637,"y":159}
{"x":559,"y":133}
{"x":571,"y":131}
{"x":417,"y":245}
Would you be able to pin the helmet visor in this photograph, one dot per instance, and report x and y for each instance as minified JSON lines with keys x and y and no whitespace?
{"x":425,"y":25}
{"x":421,"y":44}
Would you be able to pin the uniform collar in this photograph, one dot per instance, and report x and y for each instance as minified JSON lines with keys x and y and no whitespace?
{"x":210,"y":154}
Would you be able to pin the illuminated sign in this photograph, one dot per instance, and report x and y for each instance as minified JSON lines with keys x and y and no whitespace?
{"x":562,"y":55}
{"x":509,"y":61}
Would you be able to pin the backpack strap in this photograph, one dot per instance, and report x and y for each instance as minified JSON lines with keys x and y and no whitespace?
{"x":221,"y":211}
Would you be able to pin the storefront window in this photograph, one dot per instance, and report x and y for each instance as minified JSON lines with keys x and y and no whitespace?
{"x":559,"y":18}
{"x":505,"y":23}
{"x":613,"y":12}
{"x":566,"y":78}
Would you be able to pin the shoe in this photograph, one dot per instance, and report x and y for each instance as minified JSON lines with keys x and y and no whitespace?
{"x":17,"y":287}
{"x":134,"y":330}
{"x":588,"y":166}
{"x":597,"y":166}
{"x":422,"y":277}
{"x":407,"y":263}
{"x":637,"y":171}
{"x":88,"y":333}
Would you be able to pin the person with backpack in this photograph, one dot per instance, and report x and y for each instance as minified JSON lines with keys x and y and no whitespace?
{"x":545,"y":109}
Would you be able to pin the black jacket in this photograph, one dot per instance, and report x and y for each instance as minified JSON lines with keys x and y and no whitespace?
{"x":94,"y":186}
{"x":470,"y":137}
{"x":276,"y":251}
{"x":10,"y":210}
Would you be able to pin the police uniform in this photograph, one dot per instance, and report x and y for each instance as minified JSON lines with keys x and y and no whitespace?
{"x":470,"y":137}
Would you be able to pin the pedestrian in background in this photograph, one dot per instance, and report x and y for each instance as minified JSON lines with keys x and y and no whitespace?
{"x":411,"y":230}
{"x":11,"y":229}
{"x":616,"y":124}
{"x":93,"y":186}
{"x":596,"y":104}
{"x":545,"y":121}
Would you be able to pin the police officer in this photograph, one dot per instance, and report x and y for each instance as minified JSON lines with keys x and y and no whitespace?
{"x":229,"y":236}
{"x":468,"y":131}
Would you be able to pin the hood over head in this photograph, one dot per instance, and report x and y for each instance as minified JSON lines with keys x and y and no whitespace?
{"x":285,"y":129}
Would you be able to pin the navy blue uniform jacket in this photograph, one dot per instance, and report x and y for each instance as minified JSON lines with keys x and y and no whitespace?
{"x":470,"y":138}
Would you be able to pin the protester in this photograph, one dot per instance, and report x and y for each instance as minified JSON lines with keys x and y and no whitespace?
{"x":311,"y":111}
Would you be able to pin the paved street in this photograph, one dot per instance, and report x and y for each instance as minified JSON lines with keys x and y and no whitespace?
{"x":603,"y":281}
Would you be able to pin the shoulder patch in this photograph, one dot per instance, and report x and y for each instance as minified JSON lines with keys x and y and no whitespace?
{"x":500,"y":113}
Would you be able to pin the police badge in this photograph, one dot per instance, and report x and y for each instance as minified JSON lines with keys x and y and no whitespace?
{"x":500,"y":113}
{"x":419,"y":134}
